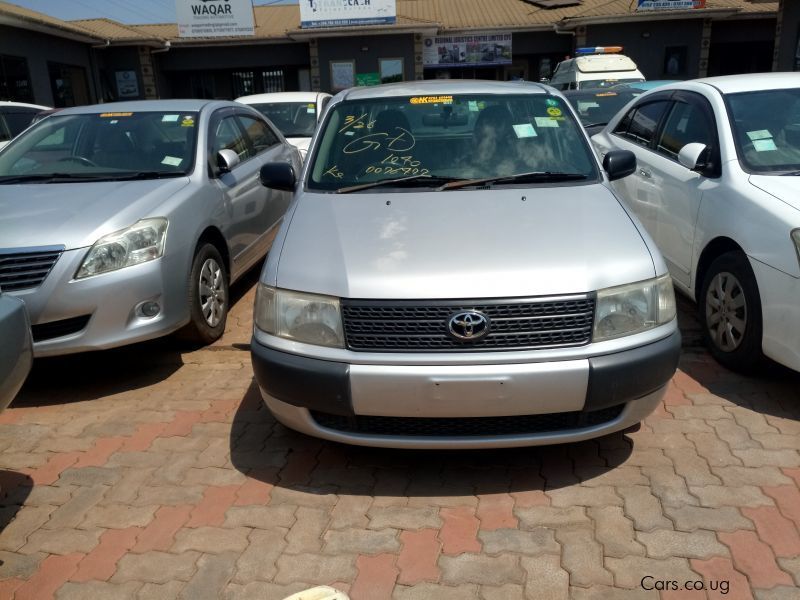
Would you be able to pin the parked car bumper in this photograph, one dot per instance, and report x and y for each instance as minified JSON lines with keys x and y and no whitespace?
{"x":780,"y":309}
{"x":465,"y":406}
{"x":16,"y":352}
{"x":71,"y":315}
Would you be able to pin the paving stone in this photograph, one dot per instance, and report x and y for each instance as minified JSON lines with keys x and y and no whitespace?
{"x":720,"y":573}
{"x":762,"y":476}
{"x":141,"y":460}
{"x":360,"y":541}
{"x":691,"y":466}
{"x":119,"y":516}
{"x":778,"y":441}
{"x":260,"y":517}
{"x":258,"y":560}
{"x":48,"y":494}
{"x":552,"y":517}
{"x":508,"y":591}
{"x":734,"y":435}
{"x":314,"y":567}
{"x":71,"y":513}
{"x":298,"y":497}
{"x":755,"y":559}
{"x":775,"y":458}
{"x":350,"y":512}
{"x":431,"y":591}
{"x":791,"y":566}
{"x":214,"y":476}
{"x":211,"y":540}
{"x":614,"y":531}
{"x":664,"y":543}
{"x":53,"y":573}
{"x":160,"y":591}
{"x":400,"y":517}
{"x":170,"y":495}
{"x":263,"y":590}
{"x":305,"y":536}
{"x":629,"y":571}
{"x":22,"y":566}
{"x":691,"y":518}
{"x":775,"y":529}
{"x":211,"y":578}
{"x":669,"y":486}
{"x":156,"y":567}
{"x":418,"y":560}
{"x":127,"y":488}
{"x":752,"y":421}
{"x":582,"y":557}
{"x":604,"y":592}
{"x":502,"y":541}
{"x":545,"y":577}
{"x":715,"y":451}
{"x":174,"y":472}
{"x":98,"y":590}
{"x":482,"y":570}
{"x":584,"y":496}
{"x":62,"y":541}
{"x":643,"y":508}
{"x":594,"y":476}
{"x":777,"y":593}
{"x":719,"y":495}
{"x":25,"y":521}
{"x":89,"y":476}
{"x":376,"y":576}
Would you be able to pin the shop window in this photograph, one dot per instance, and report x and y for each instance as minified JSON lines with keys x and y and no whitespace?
{"x":15,"y":82}
{"x":243,"y":83}
{"x":391,"y":70}
{"x":69,"y":84}
{"x":675,"y":61}
{"x":273,"y":81}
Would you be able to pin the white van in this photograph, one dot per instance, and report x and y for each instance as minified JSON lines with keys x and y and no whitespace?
{"x":595,"y":67}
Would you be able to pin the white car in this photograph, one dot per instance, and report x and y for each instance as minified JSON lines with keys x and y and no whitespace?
{"x":718,"y":187}
{"x":15,"y":117}
{"x":295,"y":114}
{"x":600,"y":67}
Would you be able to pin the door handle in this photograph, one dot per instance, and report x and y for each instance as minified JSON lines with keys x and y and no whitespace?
{"x":644,"y":173}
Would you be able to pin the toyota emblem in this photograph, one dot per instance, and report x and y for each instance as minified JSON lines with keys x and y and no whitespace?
{"x":468,"y":326}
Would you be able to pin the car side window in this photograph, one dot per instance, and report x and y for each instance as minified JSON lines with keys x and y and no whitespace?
{"x":644,"y":122}
{"x":18,"y":121}
{"x":261,"y":137}
{"x":686,"y":123}
{"x":625,"y":123}
{"x":228,"y":136}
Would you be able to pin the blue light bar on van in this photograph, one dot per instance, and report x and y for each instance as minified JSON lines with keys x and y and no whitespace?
{"x":599,"y":50}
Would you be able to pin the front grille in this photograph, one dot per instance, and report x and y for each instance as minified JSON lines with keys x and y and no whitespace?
{"x":467,"y":426}
{"x":409,"y":326}
{"x":56,"y":329}
{"x":24,"y":270}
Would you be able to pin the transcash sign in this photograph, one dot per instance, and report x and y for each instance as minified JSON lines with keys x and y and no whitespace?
{"x":215,"y":18}
{"x":671,"y":4}
{"x":343,"y":13}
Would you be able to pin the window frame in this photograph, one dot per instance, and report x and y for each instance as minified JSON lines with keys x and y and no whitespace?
{"x":651,"y":99}
{"x":239,"y":114}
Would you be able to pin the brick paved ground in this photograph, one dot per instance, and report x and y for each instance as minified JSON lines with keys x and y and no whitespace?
{"x":155,"y":472}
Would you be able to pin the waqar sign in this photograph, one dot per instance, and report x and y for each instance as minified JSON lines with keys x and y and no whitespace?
{"x":215,"y":18}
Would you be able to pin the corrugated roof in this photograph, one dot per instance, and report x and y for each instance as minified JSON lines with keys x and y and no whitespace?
{"x":111,"y":30}
{"x":19,"y":13}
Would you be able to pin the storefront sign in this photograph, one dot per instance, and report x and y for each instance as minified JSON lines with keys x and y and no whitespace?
{"x":344,"y":13}
{"x":127,"y":84}
{"x":343,"y":74}
{"x":215,"y":18}
{"x":467,"y":50}
{"x":671,"y":4}
{"x":368,"y":78}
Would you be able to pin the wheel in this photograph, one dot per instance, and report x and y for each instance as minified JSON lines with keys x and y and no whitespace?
{"x":78,"y":159}
{"x":730,"y":312}
{"x":208,"y":296}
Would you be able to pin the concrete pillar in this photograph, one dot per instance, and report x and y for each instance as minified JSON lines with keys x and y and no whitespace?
{"x":705,"y":48}
{"x":419,"y":67}
{"x":786,"y":37}
{"x":150,"y":91}
{"x":313,"y":61}
{"x":580,"y":37}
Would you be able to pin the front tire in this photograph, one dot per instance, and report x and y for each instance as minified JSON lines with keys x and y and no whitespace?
{"x":208,"y":296}
{"x":730,"y":312}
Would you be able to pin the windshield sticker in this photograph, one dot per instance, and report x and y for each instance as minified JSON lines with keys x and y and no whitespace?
{"x":546,"y":122}
{"x":525,"y":130}
{"x":604,"y":94}
{"x":554,"y":112}
{"x":187,"y":122}
{"x":473,"y":106}
{"x":431,"y":100}
{"x":759,"y":135}
{"x":551,"y":102}
{"x":112,"y":115}
{"x":172,"y":161}
{"x":311,"y":110}
{"x":169,"y":119}
{"x":402,"y":142}
{"x":353,"y":122}
{"x":767,"y":145}
{"x":334,"y":172}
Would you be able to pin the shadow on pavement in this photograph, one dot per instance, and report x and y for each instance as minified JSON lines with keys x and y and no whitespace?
{"x":265,"y":450}
{"x":14,"y":489}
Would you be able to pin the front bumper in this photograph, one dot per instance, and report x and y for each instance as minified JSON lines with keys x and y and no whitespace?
{"x":296,"y":388}
{"x":16,"y":353}
{"x":74,"y":315}
{"x":780,"y":309}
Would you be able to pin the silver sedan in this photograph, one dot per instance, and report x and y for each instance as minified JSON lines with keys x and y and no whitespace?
{"x":125,"y":222}
{"x":15,"y":352}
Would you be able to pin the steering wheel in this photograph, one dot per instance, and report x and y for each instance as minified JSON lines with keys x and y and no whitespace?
{"x":78,"y":159}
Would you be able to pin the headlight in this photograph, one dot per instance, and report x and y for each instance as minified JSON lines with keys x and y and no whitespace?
{"x":139,"y":243}
{"x":306,"y":318}
{"x":796,"y":239}
{"x":633,"y":308}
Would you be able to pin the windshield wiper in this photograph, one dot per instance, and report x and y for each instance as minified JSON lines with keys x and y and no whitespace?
{"x":145,"y":175}
{"x":533,"y":176}
{"x":587,"y":125}
{"x":399,"y":182}
{"x":49,"y":178}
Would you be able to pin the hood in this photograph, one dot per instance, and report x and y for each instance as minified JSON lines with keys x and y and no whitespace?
{"x":785,"y":188}
{"x":75,"y":215}
{"x":462,"y":244}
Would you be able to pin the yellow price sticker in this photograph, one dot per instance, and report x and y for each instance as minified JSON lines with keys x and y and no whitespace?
{"x":431,"y":100}
{"x":554,"y":112}
{"x":112,"y":115}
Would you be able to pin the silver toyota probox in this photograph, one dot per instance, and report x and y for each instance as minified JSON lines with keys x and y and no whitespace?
{"x":455,"y":271}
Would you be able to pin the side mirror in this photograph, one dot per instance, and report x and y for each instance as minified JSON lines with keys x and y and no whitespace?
{"x":278,"y":176}
{"x":619,"y":164}
{"x":691,"y":156}
{"x":227,"y":160}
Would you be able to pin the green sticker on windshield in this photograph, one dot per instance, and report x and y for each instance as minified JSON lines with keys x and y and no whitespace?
{"x":187,"y":122}
{"x":524,"y":130}
{"x":764,"y":145}
{"x":551,"y":102}
{"x":759,"y":135}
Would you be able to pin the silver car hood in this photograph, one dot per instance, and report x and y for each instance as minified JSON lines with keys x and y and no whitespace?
{"x":75,"y":215}
{"x":462,"y":244}
{"x":783,"y":188}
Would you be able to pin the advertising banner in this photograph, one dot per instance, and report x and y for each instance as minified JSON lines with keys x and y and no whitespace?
{"x":214,"y":18}
{"x":467,"y":50}
{"x":344,"y":13}
{"x":127,"y":84}
{"x":671,"y":4}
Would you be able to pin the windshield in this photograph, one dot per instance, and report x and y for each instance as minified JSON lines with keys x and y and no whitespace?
{"x":597,"y":108}
{"x":465,"y":136}
{"x":766,"y":127}
{"x":294,"y":119}
{"x":103,"y":146}
{"x":606,"y":83}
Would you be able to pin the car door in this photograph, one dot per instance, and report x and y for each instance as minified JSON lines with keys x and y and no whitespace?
{"x":680,"y":190}
{"x":242,"y":192}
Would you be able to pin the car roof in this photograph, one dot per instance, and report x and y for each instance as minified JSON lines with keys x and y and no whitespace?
{"x":438,"y":87}
{"x":751,"y":82}
{"x":148,"y":106}
{"x":282,"y":97}
{"x":23,"y":105}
